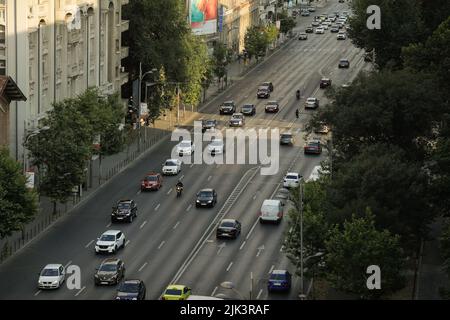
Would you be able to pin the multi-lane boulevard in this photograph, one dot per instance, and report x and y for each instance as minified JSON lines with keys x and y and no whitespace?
{"x":172,"y":240}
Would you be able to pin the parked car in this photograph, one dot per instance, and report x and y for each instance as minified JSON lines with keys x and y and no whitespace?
{"x":176,"y":292}
{"x":171,"y":167}
{"x":206,"y":198}
{"x":110,"y":241}
{"x":271,"y":211}
{"x":292,"y":180}
{"x":272,"y":106}
{"x":111,"y":271}
{"x":279,"y":280}
{"x":344,"y":63}
{"x":124,"y":210}
{"x":52,"y":276}
{"x":311,"y":103}
{"x":237,"y":120}
{"x":287,"y":138}
{"x":248,"y":109}
{"x":228,"y":107}
{"x":313,"y":146}
{"x":216,"y":146}
{"x":131,"y":290}
{"x":325,"y":82}
{"x":185,"y":147}
{"x":228,"y":228}
{"x":302,"y":36}
{"x":151,"y":181}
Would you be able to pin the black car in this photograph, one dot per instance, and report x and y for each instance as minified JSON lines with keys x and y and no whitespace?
{"x":228,"y":228}
{"x":334,"y":29}
{"x":268,"y":84}
{"x":208,"y":124}
{"x":325,"y":82}
{"x":206,"y":198}
{"x":309,"y":30}
{"x":286,"y":138}
{"x":272,"y":106}
{"x":263,"y":92}
{"x":248,"y":109}
{"x":228,"y":107}
{"x":344,"y":63}
{"x":124,"y":210}
{"x":111,"y":271}
{"x":131,"y":290}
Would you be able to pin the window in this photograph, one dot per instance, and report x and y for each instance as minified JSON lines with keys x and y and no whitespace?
{"x":2,"y":34}
{"x":2,"y":67}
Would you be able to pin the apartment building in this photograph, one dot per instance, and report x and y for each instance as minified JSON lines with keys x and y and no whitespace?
{"x":56,"y":49}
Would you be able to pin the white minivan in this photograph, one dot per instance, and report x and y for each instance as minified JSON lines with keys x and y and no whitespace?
{"x":271,"y":211}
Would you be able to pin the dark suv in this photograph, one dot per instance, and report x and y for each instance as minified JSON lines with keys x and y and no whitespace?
{"x":344,"y":63}
{"x":248,"y":109}
{"x":228,"y":107}
{"x":268,"y":84}
{"x":263,"y":92}
{"x":124,"y":210}
{"x":208,"y":124}
{"x":325,"y":82}
{"x":131,"y":290}
{"x":111,"y":271}
{"x":206,"y":198}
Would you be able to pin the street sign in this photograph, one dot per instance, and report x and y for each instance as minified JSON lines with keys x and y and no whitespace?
{"x":144,"y":109}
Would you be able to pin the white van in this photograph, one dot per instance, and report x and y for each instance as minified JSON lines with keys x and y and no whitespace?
{"x":272,"y":211}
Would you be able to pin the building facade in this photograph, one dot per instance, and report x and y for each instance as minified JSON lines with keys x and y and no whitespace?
{"x":56,"y":49}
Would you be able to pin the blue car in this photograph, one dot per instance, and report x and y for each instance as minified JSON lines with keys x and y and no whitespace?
{"x":279,"y":280}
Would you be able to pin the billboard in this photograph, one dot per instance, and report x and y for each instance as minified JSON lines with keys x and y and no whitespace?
{"x":203,"y":16}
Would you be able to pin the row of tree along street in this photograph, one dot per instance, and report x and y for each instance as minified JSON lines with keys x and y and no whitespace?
{"x":388,"y":173}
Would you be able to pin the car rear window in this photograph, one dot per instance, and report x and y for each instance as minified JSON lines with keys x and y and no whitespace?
{"x":292,"y":177}
{"x":151,"y":178}
{"x":227,"y":224}
{"x":278,"y":276}
{"x":173,"y":292}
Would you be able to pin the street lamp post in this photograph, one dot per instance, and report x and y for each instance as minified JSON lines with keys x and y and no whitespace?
{"x":141,"y":76}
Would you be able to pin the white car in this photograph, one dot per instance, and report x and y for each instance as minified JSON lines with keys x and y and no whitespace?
{"x":292,"y":180}
{"x":110,"y":241}
{"x":52,"y":276}
{"x":341,"y":36}
{"x":320,"y":30}
{"x":185,"y":147}
{"x":271,"y":211}
{"x":171,"y":167}
{"x":311,"y":103}
{"x":216,"y":146}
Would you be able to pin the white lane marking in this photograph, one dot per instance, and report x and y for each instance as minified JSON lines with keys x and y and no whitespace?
{"x":189,"y":208}
{"x":175,"y":226}
{"x":143,"y":224}
{"x":271,"y":268}
{"x":157,"y":207}
{"x":68,"y":264}
{"x":142,"y":267}
{"x":260,"y":249}
{"x":254,"y":197}
{"x":191,"y":165}
{"x":161,"y":244}
{"x":139,"y":192}
{"x":170,"y":190}
{"x":242,"y":245}
{"x":127,"y":242}
{"x":251,"y":230}
{"x":182,"y":177}
{"x":214,"y":291}
{"x":108,"y":225}
{"x":229,"y":266}
{"x":209,"y":178}
{"x":80,"y":291}
{"x":90,"y":242}
{"x":259,"y":294}
{"x":209,"y":241}
{"x":37,"y":292}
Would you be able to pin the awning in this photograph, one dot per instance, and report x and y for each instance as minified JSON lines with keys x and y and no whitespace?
{"x":9,"y":90}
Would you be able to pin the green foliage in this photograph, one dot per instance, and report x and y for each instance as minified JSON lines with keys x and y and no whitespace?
{"x":220,"y":60}
{"x":272,"y":33}
{"x":286,"y":23}
{"x":256,"y":41}
{"x":18,"y":204}
{"x":356,"y":246}
{"x":445,"y":246}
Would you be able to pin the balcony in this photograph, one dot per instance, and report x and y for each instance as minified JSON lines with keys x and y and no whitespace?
{"x":124,"y":25}
{"x":124,"y":51}
{"x":73,"y":70}
{"x":123,"y":78}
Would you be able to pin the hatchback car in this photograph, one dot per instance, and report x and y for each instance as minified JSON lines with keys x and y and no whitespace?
{"x":228,"y":107}
{"x":248,"y":109}
{"x":344,"y":63}
{"x":228,"y":228}
{"x":237,"y":120}
{"x":176,"y":292}
{"x":111,"y":271}
{"x":216,"y":146}
{"x":325,"y":82}
{"x":311,"y":103}
{"x":171,"y":167}
{"x":279,"y":280}
{"x":302,"y":36}
{"x":292,"y":180}
{"x":185,"y":147}
{"x":286,"y":138}
{"x":272,"y":106}
{"x":52,"y":276}
{"x":206,"y":198}
{"x":124,"y":210}
{"x":151,"y":181}
{"x":110,"y":241}
{"x":131,"y":290}
{"x":313,"y":147}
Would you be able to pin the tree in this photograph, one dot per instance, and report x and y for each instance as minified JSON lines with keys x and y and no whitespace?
{"x":286,"y":23}
{"x":18,"y":204}
{"x":220,"y":60}
{"x":272,"y":33}
{"x":256,"y":41}
{"x":355,"y":247}
{"x":445,"y":253}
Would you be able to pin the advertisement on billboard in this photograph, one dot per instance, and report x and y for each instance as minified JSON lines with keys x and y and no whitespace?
{"x":203,"y":14}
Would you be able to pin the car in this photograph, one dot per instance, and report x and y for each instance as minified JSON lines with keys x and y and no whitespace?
{"x":287,"y":138}
{"x":125,"y":209}
{"x":340,"y":24}
{"x":315,"y":24}
{"x":322,"y":128}
{"x":216,"y":146}
{"x":324,"y":83}
{"x":368,"y":56}
{"x":271,"y":211}
{"x":228,"y":228}
{"x":324,"y":26}
{"x":111,"y":271}
{"x":110,"y":241}
{"x":309,"y":30}
{"x":312,"y":103}
{"x":52,"y":276}
{"x":312,"y":9}
{"x":209,"y":124}
{"x":344,"y":63}
{"x":332,"y":17}
{"x":272,"y":106}
{"x":151,"y":181}
{"x":176,"y":292}
{"x":341,"y":36}
{"x":320,"y":30}
{"x":268,"y":84}
{"x":302,"y":36}
{"x":131,"y":290}
{"x":305,"y":13}
{"x":283,"y":194}
{"x":227,"y":107}
{"x":334,"y":28}
{"x":279,"y":280}
{"x":313,"y":146}
{"x":206,"y":198}
{"x":248,"y":109}
{"x":263,"y":92}
{"x":292,"y":180}
{"x":237,"y":120}
{"x":185,"y":147}
{"x":171,"y":167}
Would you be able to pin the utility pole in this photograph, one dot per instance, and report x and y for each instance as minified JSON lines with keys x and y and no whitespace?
{"x":139,"y":107}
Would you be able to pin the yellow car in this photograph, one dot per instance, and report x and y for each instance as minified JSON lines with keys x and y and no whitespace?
{"x":176,"y":292}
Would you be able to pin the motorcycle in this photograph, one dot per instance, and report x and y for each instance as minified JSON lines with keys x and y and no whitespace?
{"x":179,"y":191}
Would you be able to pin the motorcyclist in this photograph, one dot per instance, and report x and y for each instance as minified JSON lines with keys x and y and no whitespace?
{"x":179,"y":185}
{"x":296,"y":113}
{"x":298,"y":94}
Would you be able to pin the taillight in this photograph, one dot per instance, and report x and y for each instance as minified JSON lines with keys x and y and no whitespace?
{"x":162,"y":298}
{"x":280,"y":214}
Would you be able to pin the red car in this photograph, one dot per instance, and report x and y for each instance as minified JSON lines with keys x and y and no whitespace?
{"x":152,"y":181}
{"x":312,"y":147}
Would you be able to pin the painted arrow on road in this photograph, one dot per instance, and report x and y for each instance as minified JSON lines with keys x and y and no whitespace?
{"x":221,"y":246}
{"x":259,"y":250}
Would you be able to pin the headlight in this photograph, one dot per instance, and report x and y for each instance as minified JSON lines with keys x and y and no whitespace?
{"x":209,"y":201}
{"x":198,"y":200}
{"x":134,"y":299}
{"x":95,"y":275}
{"x":55,"y":282}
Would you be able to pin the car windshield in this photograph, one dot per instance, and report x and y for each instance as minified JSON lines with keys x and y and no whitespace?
{"x":171,"y":163}
{"x":277,"y":276}
{"x":107,"y":237}
{"x":209,"y":122}
{"x":151,"y":178}
{"x":108,"y":267}
{"x":292,"y":177}
{"x":185,"y":144}
{"x":129,"y":287}
{"x":247,"y":107}
{"x":228,"y":104}
{"x":286,"y":136}
{"x":50,"y":273}
{"x":124,"y":205}
{"x":216,"y":143}
{"x":227,"y":224}
{"x":173,"y":292}
{"x":263,"y":88}
{"x":311,"y":100}
{"x":204,"y":194}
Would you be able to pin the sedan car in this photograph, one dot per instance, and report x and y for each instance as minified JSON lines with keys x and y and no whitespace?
{"x":313,"y":147}
{"x":268,"y":84}
{"x":334,"y":28}
{"x":305,"y":13}
{"x":110,"y":241}
{"x":263,"y":92}
{"x":216,"y":146}
{"x":228,"y":107}
{"x":279,"y":280}
{"x":111,"y":271}
{"x":286,"y":138}
{"x":292,"y":180}
{"x":272,"y":106}
{"x":228,"y":228}
{"x":248,"y":109}
{"x":124,"y":210}
{"x":344,"y":63}
{"x":151,"y":181}
{"x":324,"y":83}
{"x":302,"y":36}
{"x":171,"y":167}
{"x":309,"y":30}
{"x":176,"y":292}
{"x":311,"y":103}
{"x":341,"y":35}
{"x":131,"y":290}
{"x":237,"y":120}
{"x":52,"y":276}
{"x":315,"y":23}
{"x":320,"y":30}
{"x":206,"y":198}
{"x":185,"y":147}
{"x":209,"y":124}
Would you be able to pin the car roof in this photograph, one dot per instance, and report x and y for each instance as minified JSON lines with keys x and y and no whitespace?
{"x":132,"y":281}
{"x":111,"y":232}
{"x":111,"y":261}
{"x":216,"y":140}
{"x":292,"y":174}
{"x":53,"y":266}
{"x":237,"y":114}
{"x":344,"y":59}
{"x":228,"y":220}
{"x":176,"y":286}
{"x":326,"y":79}
{"x":271,"y":202}
{"x":311,"y":98}
{"x":279,"y":271}
{"x":207,"y":190}
{"x":125,"y":200}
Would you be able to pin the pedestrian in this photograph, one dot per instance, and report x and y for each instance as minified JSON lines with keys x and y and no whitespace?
{"x":296,"y":113}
